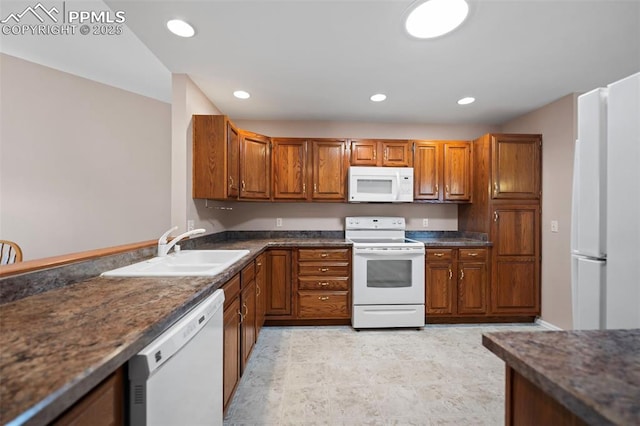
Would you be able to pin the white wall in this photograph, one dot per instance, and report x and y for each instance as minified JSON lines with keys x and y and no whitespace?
{"x":83,"y":165}
{"x":557,"y":123}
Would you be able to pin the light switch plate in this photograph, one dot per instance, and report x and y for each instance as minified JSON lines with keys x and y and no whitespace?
{"x":554,"y":226}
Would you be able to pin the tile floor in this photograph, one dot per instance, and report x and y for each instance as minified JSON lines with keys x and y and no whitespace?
{"x":441,"y":375}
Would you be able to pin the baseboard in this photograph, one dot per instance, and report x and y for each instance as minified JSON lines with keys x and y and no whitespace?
{"x":547,"y":325}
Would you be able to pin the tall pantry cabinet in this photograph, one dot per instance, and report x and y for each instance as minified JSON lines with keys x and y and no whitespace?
{"x":507,"y":205}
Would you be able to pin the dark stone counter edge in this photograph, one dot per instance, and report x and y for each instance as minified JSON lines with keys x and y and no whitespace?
{"x":59,"y":401}
{"x":564,"y":396}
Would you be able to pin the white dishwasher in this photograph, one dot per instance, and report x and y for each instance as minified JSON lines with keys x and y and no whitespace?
{"x":177,"y":379}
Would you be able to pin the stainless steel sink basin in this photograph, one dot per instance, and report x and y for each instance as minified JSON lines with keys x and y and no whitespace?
{"x":183,"y":264}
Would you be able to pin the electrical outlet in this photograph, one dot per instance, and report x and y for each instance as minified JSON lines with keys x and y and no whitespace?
{"x":190,"y":225}
{"x":554,"y":226}
{"x":279,"y":222}
{"x":425,"y":223}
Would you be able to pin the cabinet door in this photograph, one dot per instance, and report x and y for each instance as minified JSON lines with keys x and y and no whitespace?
{"x":515,"y":284}
{"x":427,"y":171}
{"x":472,"y":288}
{"x":516,"y":166}
{"x":329,"y":170}
{"x":457,"y":171}
{"x":210,"y":156}
{"x":261,"y":291}
{"x":248,"y":326}
{"x":233,"y":161}
{"x":440,"y":288}
{"x":364,"y":152}
{"x":231,"y":351}
{"x":278,"y":283}
{"x":255,"y":169}
{"x":395,"y":153}
{"x":289,"y":169}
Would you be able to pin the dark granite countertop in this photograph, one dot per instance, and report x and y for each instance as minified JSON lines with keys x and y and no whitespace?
{"x":453,"y":242}
{"x":595,"y":374}
{"x":58,"y":344}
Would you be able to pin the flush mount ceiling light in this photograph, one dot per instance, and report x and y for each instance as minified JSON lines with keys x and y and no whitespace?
{"x":241,"y":94}
{"x":378,"y":97}
{"x":433,"y":18}
{"x":466,"y":101}
{"x":180,"y":28}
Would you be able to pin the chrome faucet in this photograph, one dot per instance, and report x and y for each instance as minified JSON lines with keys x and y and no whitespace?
{"x":164,"y":247}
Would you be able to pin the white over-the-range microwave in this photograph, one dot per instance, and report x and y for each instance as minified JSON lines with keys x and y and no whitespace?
{"x":380,"y":184}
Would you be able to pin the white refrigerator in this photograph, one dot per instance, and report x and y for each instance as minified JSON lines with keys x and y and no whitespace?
{"x":605,"y":231}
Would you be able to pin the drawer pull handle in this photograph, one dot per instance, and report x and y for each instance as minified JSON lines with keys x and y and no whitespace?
{"x":323,"y":297}
{"x":473,"y":254}
{"x":258,"y":291}
{"x":323,"y":284}
{"x":438,"y":254}
{"x":323,"y":269}
{"x":324,"y":255}
{"x":241,"y":316}
{"x":461,"y":274}
{"x":450,"y":274}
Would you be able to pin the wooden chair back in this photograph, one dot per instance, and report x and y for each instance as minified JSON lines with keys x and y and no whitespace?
{"x":10,"y":252}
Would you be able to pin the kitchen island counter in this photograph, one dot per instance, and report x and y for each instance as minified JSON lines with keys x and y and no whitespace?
{"x":595,"y":374}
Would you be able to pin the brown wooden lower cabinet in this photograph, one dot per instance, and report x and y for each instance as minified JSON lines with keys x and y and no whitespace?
{"x":279,"y":292}
{"x":456,"y":282}
{"x":261,"y":291}
{"x":103,"y":406}
{"x":231,"y":349}
{"x":527,"y":404}
{"x":248,"y":314}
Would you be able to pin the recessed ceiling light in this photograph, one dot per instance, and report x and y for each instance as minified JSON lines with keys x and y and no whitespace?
{"x":378,"y":97}
{"x":433,"y":18}
{"x":241,"y":94}
{"x":466,"y":101}
{"x":180,"y":28}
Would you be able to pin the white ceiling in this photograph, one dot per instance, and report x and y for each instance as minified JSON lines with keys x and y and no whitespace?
{"x":322,"y":59}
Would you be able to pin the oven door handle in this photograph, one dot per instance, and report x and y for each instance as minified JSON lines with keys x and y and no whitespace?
{"x":391,"y":252}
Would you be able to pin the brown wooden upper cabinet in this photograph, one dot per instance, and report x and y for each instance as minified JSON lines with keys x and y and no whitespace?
{"x":289,"y":158}
{"x":255,"y":166}
{"x":216,"y":156}
{"x":442,"y":171}
{"x":309,"y":169}
{"x":375,"y":152}
{"x":516,"y":166}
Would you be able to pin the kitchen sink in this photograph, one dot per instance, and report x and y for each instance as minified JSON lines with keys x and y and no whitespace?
{"x":185,"y":263}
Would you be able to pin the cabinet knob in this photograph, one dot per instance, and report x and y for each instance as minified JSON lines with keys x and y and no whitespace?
{"x":323,"y":297}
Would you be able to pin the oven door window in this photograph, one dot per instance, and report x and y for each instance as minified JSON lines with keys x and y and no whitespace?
{"x":388,"y":273}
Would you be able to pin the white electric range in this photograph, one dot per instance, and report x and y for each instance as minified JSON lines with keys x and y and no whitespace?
{"x":388,"y":273}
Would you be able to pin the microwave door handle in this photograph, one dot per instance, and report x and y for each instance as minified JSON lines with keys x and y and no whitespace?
{"x":397,"y":195}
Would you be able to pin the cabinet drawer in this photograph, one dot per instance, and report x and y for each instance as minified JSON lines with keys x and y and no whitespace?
{"x":330,"y":283}
{"x":340,"y":269}
{"x":472,"y":254}
{"x":439,"y":254}
{"x":323,"y":304}
{"x":231,"y":290}
{"x":323,"y":254}
{"x":248,"y":273}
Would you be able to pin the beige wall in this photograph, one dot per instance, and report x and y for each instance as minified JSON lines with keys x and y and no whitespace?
{"x":187,"y":100}
{"x":557,"y":123}
{"x":83,"y":165}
